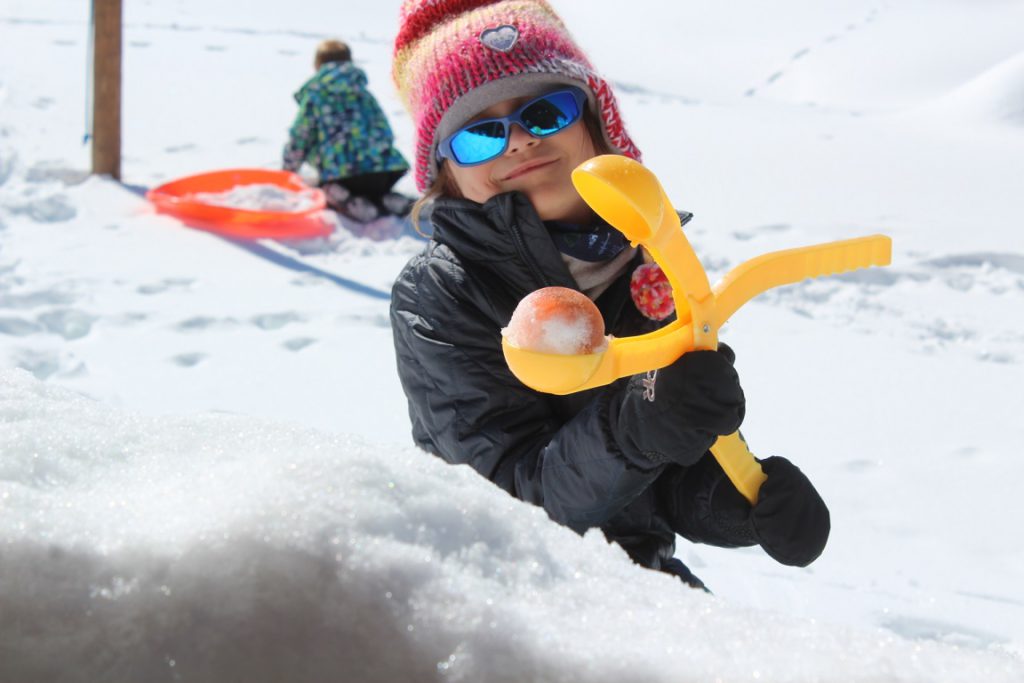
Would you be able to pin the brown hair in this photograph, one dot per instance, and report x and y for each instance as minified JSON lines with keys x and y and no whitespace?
{"x":444,"y":184}
{"x":332,"y":51}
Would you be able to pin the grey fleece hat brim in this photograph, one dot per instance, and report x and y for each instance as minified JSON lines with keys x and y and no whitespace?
{"x":489,"y":94}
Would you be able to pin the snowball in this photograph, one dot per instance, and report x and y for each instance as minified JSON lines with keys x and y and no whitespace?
{"x":557,"y":320}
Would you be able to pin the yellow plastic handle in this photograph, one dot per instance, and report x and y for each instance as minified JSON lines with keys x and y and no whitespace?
{"x":630,"y":198}
{"x":750,"y":278}
{"x":739,"y":464}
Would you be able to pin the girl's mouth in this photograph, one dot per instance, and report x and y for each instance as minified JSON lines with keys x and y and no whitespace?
{"x":527,"y":167}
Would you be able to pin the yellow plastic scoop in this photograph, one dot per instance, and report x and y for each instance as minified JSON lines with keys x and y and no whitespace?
{"x":630,"y":198}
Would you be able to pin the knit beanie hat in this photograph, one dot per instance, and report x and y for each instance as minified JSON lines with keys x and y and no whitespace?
{"x":455,"y":58}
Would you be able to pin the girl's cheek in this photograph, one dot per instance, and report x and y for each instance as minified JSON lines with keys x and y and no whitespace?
{"x":476,"y":183}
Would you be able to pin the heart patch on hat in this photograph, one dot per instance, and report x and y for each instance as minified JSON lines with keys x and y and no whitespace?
{"x":502,"y":39}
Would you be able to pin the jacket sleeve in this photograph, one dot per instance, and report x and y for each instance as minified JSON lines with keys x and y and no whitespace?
{"x":301,"y":137}
{"x":467,"y":407}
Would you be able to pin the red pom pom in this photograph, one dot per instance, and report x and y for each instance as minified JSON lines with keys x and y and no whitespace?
{"x":652,"y":292}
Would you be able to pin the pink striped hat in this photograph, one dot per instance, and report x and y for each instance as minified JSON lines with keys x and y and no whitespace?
{"x":455,"y":58}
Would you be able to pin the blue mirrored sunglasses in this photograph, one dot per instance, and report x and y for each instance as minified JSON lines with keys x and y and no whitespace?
{"x":481,"y":141}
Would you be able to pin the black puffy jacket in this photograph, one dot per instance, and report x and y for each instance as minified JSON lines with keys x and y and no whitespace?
{"x":448,"y":307}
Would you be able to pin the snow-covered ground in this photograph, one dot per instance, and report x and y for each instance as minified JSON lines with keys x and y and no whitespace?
{"x":205,"y":470}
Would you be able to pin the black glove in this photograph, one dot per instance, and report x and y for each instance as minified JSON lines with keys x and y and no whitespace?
{"x":675,"y":416}
{"x":790,"y":521}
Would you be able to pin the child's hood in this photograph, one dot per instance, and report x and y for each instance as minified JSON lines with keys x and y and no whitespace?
{"x":334,"y":77}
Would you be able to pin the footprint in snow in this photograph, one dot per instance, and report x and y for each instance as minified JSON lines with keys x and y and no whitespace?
{"x":798,"y":55}
{"x":772,"y":228}
{"x":860,"y":465}
{"x":1007,"y":261}
{"x":939,"y":333}
{"x":994,"y":272}
{"x":275,"y":321}
{"x":881,"y":277}
{"x":999,"y":357}
{"x":19,"y":327}
{"x":8,"y":158}
{"x":47,"y":171}
{"x":46,"y":364}
{"x":127,"y":319}
{"x":370,"y":319}
{"x":916,"y":628}
{"x":36,"y":299}
{"x":53,"y":209}
{"x":188,"y":360}
{"x":298,"y":343}
{"x":202,"y":322}
{"x":165,"y":285}
{"x":68,"y":323}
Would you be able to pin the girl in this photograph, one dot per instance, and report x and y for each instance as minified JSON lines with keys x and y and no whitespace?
{"x":505,"y":107}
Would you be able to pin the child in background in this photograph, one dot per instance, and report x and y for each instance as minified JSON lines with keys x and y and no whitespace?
{"x":505,"y":106}
{"x":342,"y":132}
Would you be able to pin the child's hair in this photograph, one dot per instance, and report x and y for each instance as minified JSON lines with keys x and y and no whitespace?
{"x":444,"y":184}
{"x":332,"y":51}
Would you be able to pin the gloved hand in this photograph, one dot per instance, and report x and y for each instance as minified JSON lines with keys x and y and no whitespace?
{"x":790,"y":521}
{"x":673,"y":415}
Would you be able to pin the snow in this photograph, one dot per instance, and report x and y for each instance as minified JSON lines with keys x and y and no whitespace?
{"x":206,"y":469}
{"x":995,"y":97}
{"x":258,"y":197}
{"x":244,"y":545}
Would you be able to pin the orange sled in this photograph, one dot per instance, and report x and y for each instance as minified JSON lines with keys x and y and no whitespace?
{"x":183,"y":199}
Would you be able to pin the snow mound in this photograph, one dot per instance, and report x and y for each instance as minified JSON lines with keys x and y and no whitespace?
{"x":994,"y":96}
{"x":219,"y":548}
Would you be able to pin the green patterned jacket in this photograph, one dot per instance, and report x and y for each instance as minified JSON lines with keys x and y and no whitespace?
{"x":340,"y":129}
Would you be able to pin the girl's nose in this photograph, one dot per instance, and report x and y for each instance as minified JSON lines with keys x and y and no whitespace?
{"x":518,"y":138}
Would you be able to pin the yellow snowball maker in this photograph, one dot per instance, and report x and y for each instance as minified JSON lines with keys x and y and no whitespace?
{"x":630,"y":198}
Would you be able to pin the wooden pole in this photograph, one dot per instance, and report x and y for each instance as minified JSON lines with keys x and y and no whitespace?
{"x":106,"y":103}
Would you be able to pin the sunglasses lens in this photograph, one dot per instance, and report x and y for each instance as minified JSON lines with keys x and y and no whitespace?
{"x":478,"y":143}
{"x":551,"y":114}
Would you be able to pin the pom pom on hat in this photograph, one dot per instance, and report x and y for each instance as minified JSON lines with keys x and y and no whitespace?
{"x":455,"y":58}
{"x":652,"y":292}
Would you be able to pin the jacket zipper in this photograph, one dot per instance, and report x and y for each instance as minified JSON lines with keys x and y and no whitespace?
{"x":524,"y":253}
